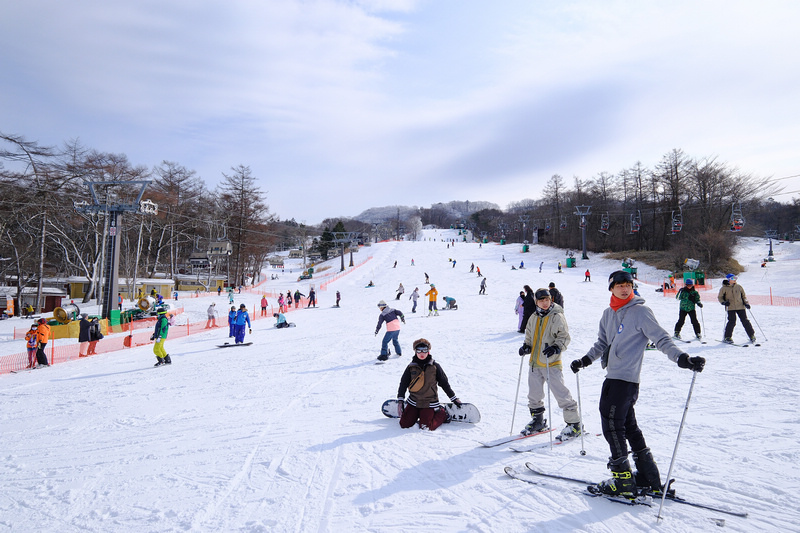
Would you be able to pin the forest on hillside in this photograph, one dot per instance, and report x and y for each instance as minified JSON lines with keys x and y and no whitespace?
{"x":56,"y":201}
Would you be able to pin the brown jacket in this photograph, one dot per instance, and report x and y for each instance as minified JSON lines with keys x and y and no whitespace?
{"x":422,"y":379}
{"x":735,"y":295}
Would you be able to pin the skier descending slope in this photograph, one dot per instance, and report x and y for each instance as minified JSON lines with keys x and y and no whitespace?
{"x":625,"y":329}
{"x":392,"y":317}
{"x":160,"y":335}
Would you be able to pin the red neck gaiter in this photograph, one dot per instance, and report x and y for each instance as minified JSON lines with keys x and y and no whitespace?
{"x":617,"y":303}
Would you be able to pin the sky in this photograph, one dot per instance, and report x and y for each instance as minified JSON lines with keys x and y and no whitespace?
{"x":338,"y":106}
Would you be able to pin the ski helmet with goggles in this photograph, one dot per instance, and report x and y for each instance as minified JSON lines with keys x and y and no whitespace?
{"x":620,"y":276}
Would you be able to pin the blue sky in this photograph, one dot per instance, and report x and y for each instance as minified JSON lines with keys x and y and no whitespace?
{"x":338,"y":106}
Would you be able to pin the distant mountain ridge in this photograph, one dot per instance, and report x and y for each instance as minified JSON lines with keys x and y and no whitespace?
{"x":454,"y":209}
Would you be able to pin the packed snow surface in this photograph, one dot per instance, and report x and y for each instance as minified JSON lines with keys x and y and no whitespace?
{"x":287,"y":435}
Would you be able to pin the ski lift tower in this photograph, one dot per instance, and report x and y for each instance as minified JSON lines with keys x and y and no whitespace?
{"x":583,"y":211}
{"x":113,"y":206}
{"x":771,"y":234}
{"x":342,"y":238}
{"x":524,"y":219}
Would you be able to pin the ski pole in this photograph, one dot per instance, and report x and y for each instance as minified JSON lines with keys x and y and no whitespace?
{"x":580,"y":412}
{"x":549,"y":409}
{"x":757,"y":324}
{"x":677,"y":441}
{"x":516,"y":397}
{"x":703,"y":320}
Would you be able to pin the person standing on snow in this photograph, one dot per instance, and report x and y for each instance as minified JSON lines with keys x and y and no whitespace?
{"x":297,"y":296}
{"x":432,"y":294}
{"x":414,"y":297}
{"x":31,"y":344}
{"x":556,"y":295}
{"x":232,"y":322}
{"x":626,"y":327}
{"x":734,"y":299}
{"x":312,"y":298}
{"x":160,"y":335}
{"x":422,"y":379}
{"x":264,"y":304}
{"x":400,"y":291}
{"x":518,"y":309}
{"x":528,"y":307}
{"x":287,"y":301}
{"x":392,"y":317}
{"x":338,"y":298}
{"x":483,"y":287}
{"x":211,"y":313}
{"x":42,"y":335}
{"x":240,"y":320}
{"x":546,"y":336}
{"x":587,"y":276}
{"x":689,"y":298}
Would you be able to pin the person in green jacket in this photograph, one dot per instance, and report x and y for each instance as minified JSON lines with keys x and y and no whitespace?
{"x":689,"y":298}
{"x":160,"y":335}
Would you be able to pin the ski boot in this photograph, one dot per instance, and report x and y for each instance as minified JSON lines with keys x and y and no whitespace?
{"x":727,"y":340}
{"x":537,"y":423}
{"x":621,"y":482}
{"x":677,"y":335}
{"x":383,"y":357}
{"x":160,"y":361}
{"x":167,"y":360}
{"x":570,"y":432}
{"x":752,"y":338}
{"x":647,"y":476}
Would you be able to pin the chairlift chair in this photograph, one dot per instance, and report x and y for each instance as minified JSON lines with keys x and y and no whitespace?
{"x":604,"y":223}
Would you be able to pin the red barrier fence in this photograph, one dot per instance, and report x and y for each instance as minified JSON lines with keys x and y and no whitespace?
{"x":139,"y":333}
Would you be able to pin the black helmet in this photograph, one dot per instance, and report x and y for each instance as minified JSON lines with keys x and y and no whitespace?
{"x":620,"y":276}
{"x":541,"y":294}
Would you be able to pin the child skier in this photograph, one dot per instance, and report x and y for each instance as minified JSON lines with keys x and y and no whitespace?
{"x":432,"y":294}
{"x":625,"y":328}
{"x":232,"y":322}
{"x":546,"y":336}
{"x":160,"y":335}
{"x":734,"y":299}
{"x":421,"y":379}
{"x":689,"y":298}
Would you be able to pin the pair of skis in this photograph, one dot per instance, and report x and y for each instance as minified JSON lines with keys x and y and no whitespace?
{"x":644,"y":498}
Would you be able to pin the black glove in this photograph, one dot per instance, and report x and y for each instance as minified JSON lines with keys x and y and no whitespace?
{"x":551,"y":351}
{"x":747,"y":306}
{"x":695,"y":364}
{"x":524,"y":350}
{"x":577,"y":364}
{"x":153,"y":337}
{"x":726,"y":303}
{"x":699,"y":304}
{"x":403,"y":319}
{"x":251,"y":331}
{"x":457,"y":402}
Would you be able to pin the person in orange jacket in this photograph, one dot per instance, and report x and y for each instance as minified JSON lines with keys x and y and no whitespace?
{"x":432,"y":294}
{"x":42,"y":335}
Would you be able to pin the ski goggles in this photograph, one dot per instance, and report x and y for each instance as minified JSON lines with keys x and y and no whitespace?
{"x":421,"y":349}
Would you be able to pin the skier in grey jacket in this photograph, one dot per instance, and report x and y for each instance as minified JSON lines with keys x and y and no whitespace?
{"x":625,"y":329}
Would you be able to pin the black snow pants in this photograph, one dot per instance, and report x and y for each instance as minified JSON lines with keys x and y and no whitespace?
{"x":618,"y":417}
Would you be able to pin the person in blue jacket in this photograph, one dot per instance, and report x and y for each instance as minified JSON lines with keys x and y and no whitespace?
{"x":232,"y":322}
{"x":241,"y":319}
{"x":280,"y":320}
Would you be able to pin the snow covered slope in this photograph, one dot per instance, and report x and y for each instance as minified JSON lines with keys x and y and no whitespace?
{"x":287,"y":435}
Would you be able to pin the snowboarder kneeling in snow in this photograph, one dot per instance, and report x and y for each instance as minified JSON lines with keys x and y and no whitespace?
{"x":281,"y":320}
{"x":242,"y":318}
{"x":421,"y":379}
{"x":451,"y":302}
{"x":625,"y":329}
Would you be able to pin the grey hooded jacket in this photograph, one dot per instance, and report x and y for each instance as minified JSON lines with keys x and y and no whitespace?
{"x":622,"y":339}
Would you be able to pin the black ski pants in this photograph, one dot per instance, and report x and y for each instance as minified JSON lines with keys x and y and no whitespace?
{"x":618,"y":417}
{"x":682,"y":318}
{"x":742,"y":314}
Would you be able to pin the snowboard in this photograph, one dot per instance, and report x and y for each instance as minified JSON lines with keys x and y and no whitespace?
{"x":291,"y":325}
{"x":229,"y":345}
{"x":466,"y":413}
